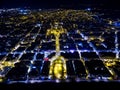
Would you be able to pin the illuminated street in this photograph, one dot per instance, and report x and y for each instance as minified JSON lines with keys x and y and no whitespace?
{"x":58,"y":45}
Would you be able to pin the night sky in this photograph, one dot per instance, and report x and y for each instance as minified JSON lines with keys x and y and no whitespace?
{"x":58,"y":3}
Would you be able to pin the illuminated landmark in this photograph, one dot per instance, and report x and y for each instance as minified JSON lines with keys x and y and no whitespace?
{"x":58,"y":63}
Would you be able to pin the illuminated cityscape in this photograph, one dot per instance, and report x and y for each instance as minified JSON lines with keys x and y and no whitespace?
{"x":59,"y":45}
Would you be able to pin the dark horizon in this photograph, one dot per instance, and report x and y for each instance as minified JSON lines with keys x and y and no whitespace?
{"x":59,"y":4}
